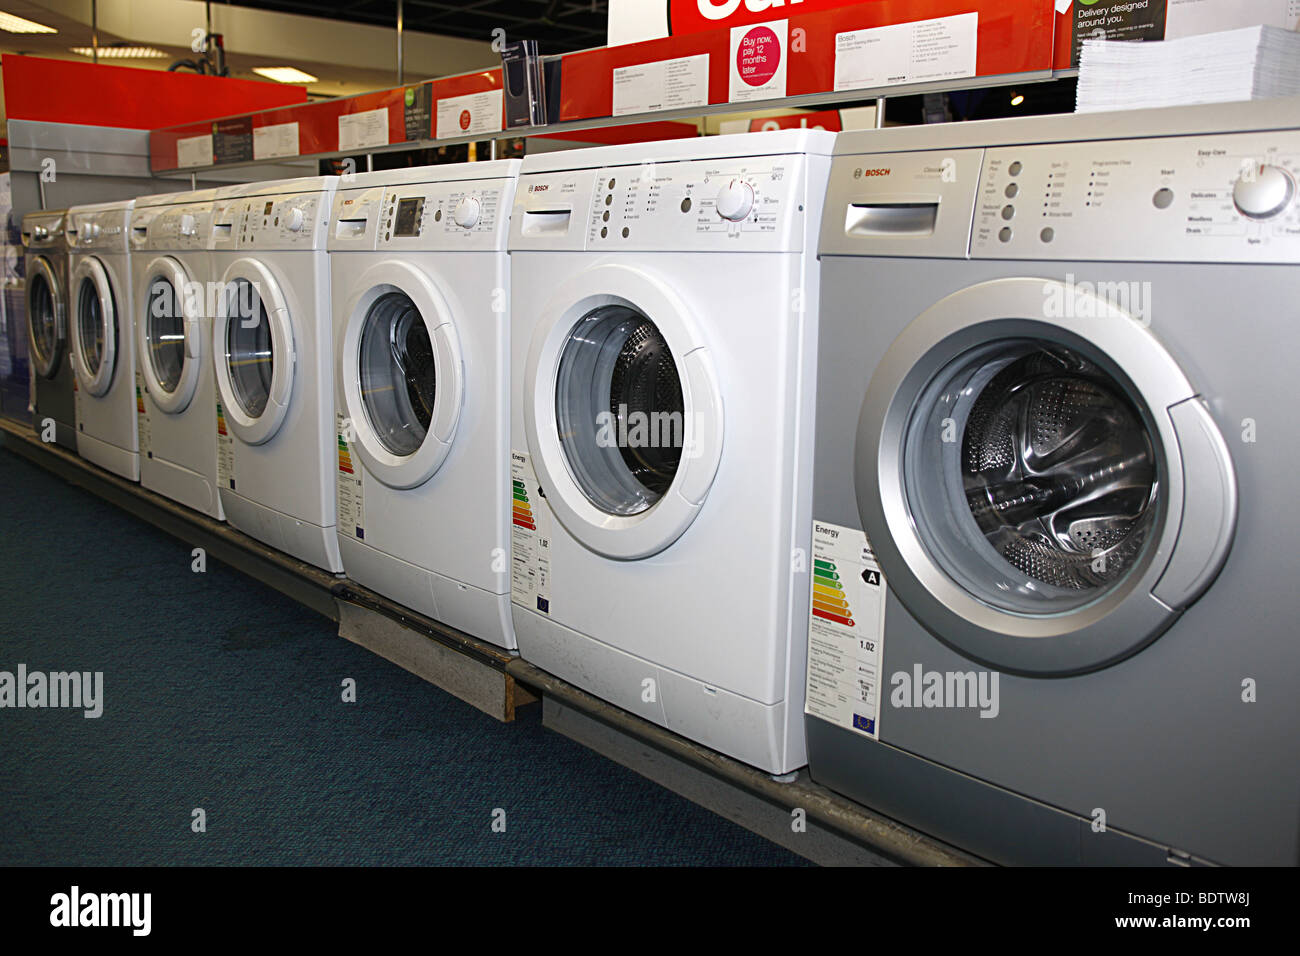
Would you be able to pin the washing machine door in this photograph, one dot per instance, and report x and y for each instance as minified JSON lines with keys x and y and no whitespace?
{"x":622,"y":411}
{"x":1045,"y":494}
{"x":46,"y":316}
{"x":94,"y":337}
{"x":401,"y":373}
{"x":252,"y":341}
{"x":169,"y":333}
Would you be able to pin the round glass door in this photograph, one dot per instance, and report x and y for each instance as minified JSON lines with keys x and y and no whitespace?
{"x":94,"y":326}
{"x":1042,"y":497}
{"x":619,"y":410}
{"x":45,"y":317}
{"x":1048,"y":497}
{"x":249,"y":355}
{"x":169,"y":334}
{"x":398,"y":372}
{"x":622,"y":411}
{"x":253,"y":340}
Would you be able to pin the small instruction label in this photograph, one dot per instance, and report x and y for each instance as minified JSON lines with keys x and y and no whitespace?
{"x":530,"y":540}
{"x":142,"y":417}
{"x":352,"y":516}
{"x":846,"y":630}
{"x":664,"y":85}
{"x":363,"y":130}
{"x":279,"y":139}
{"x":918,"y":52}
{"x":194,"y":151}
{"x":225,"y":451}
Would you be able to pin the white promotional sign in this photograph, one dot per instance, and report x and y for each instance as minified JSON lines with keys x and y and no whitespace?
{"x":918,"y":52}
{"x":363,"y":130}
{"x":665,"y":85}
{"x":469,"y":114}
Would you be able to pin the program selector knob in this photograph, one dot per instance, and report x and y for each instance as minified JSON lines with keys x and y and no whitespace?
{"x":187,"y":225}
{"x":294,"y":220}
{"x":1264,"y":192}
{"x":466,"y":213}
{"x":93,"y":230}
{"x":735,"y":200}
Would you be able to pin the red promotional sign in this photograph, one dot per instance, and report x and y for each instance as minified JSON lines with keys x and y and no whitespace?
{"x":759,"y":56}
{"x":694,"y":16}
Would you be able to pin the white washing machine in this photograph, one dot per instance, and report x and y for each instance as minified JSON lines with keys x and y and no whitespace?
{"x":272,"y":348}
{"x":421,"y":324}
{"x":102,"y":335}
{"x":663,"y":358}
{"x":177,"y":396}
{"x":1053,"y":493}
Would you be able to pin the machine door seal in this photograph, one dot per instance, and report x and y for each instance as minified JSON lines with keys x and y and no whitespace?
{"x":47,"y":324}
{"x":401,"y":373}
{"x":169,"y":334}
{"x":94,"y":339}
{"x":253,"y":351}
{"x":1044,"y":493}
{"x":622,"y":411}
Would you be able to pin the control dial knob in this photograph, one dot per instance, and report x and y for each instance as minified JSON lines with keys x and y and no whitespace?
{"x":293,"y":221}
{"x":92,"y":230}
{"x":40,"y":232}
{"x":187,"y":225}
{"x":466,"y":213}
{"x":1263,"y":192}
{"x":735,"y":200}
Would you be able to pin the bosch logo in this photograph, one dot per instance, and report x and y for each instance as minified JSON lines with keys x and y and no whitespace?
{"x":539,"y":188}
{"x":859,"y":173}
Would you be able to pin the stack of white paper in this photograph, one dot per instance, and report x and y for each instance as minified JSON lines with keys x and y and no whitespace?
{"x":1250,"y":63}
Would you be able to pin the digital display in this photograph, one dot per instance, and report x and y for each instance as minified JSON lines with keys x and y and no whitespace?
{"x":409,"y":213}
{"x":267,"y":210}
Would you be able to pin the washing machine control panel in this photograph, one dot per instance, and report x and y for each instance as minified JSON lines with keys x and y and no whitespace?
{"x":43,"y":231}
{"x":1222,"y":198}
{"x":743,"y":204}
{"x":456,"y":215}
{"x":104,"y":230}
{"x":293,"y":221}
{"x":173,"y":228}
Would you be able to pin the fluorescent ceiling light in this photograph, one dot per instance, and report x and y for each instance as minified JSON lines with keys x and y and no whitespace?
{"x":284,"y":74}
{"x":12,"y":24}
{"x":121,"y":52}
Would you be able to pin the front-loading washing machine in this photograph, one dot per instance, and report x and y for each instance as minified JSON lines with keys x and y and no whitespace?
{"x":272,"y":348}
{"x":663,"y":358}
{"x":1051,"y":619}
{"x":176,"y":391}
{"x":101,"y":332}
{"x":54,"y":384}
{"x":421,"y":323}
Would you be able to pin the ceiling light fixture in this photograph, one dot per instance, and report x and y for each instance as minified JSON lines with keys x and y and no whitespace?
{"x":1017,"y":98}
{"x":121,"y":52}
{"x":284,"y":74}
{"x":12,"y":24}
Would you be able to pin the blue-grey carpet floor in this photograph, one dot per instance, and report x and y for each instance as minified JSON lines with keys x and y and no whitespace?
{"x":222,"y":694}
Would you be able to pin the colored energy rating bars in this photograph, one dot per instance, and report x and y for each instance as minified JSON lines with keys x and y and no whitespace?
{"x":139,"y":401}
{"x":221,"y":420}
{"x":522,"y":513}
{"x":828,"y":594}
{"x":345,"y":457}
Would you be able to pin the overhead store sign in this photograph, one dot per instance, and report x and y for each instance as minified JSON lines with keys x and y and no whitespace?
{"x":631,"y":21}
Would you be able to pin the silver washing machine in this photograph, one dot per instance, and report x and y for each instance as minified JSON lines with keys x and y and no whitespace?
{"x":47,"y":326}
{"x":1054,"y":496}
